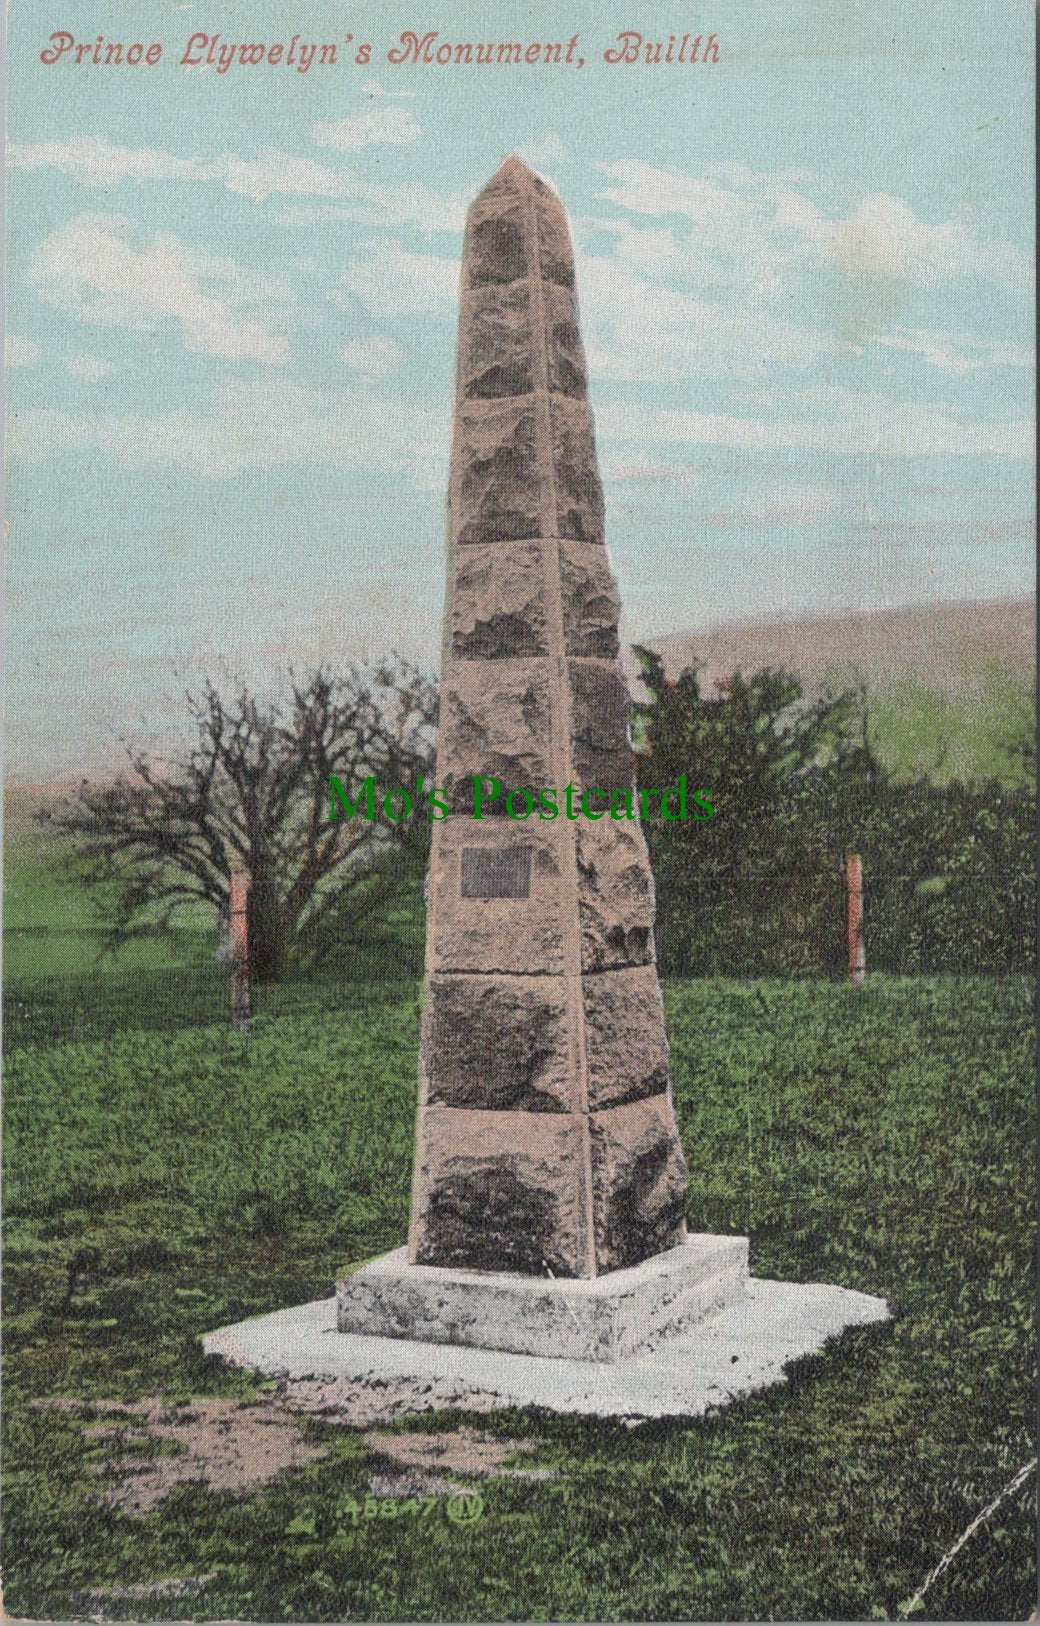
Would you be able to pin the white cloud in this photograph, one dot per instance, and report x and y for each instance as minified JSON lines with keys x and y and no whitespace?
{"x":769,"y":226}
{"x":864,"y":423}
{"x":635,"y":329}
{"x":273,"y":174}
{"x":95,"y":161}
{"x":644,"y":249}
{"x":645,"y":190}
{"x":379,"y":126}
{"x":729,"y":241}
{"x":392,"y":282}
{"x":91,"y":268}
{"x":373,"y":357}
{"x":19,"y":351}
{"x":89,"y":368}
{"x":99,"y":163}
{"x":544,"y":153}
{"x":959,"y":354}
{"x":371,"y":88}
{"x":251,"y":426}
{"x":708,"y":275}
{"x":409,"y":204}
{"x":882,"y":238}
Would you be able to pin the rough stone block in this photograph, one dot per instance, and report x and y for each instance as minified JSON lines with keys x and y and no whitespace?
{"x":602,"y":1318}
{"x":501,"y":1191}
{"x":600,"y":748}
{"x":495,"y":342}
{"x":498,"y":602}
{"x":599,"y":705}
{"x":638,"y":1182}
{"x":555,"y":253}
{"x":609,"y":771}
{"x":496,"y":239}
{"x":496,"y":720}
{"x":590,"y":600}
{"x":498,"y":1043}
{"x":615,"y":894}
{"x":625,"y":1046}
{"x":579,"y":494}
{"x":565,"y":351}
{"x":497,"y":934}
{"x":498,"y":482}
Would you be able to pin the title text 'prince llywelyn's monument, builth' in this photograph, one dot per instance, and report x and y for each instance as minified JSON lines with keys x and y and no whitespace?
{"x":548,"y":1261}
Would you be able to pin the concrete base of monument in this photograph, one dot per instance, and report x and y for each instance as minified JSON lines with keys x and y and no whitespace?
{"x":601,"y":1318}
{"x":743,"y":1347}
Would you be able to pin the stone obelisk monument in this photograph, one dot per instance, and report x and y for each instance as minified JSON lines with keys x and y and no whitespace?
{"x":548,"y":1262}
{"x":547,"y":1149}
{"x":547,"y":1141}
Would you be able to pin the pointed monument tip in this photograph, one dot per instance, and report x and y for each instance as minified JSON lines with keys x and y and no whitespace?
{"x":513,"y":178}
{"x":515,"y":167}
{"x":514,"y":174}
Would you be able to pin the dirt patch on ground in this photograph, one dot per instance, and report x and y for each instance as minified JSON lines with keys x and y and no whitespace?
{"x":242,"y":1445}
{"x":228,"y":1445}
{"x":463,"y":1451}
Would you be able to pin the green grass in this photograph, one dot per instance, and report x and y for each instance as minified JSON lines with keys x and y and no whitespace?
{"x":54,"y":925}
{"x":163,"y":1177}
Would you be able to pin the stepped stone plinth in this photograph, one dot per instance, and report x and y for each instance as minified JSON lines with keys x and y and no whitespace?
{"x":612,"y":1317}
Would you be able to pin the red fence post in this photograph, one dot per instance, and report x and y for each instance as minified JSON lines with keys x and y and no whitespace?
{"x":854,"y":890}
{"x":240,"y":1011}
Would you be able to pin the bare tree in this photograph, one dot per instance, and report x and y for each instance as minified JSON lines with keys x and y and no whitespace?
{"x":251,"y":791}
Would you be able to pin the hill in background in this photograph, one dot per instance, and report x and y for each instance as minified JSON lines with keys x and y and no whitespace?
{"x":950,"y":687}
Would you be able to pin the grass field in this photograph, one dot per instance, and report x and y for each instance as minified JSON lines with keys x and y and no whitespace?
{"x":55,"y":926}
{"x":164,"y":1177}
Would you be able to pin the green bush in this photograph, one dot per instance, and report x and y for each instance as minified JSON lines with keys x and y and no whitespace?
{"x":758,"y":889}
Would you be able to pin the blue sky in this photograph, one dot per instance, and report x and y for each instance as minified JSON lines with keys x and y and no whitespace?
{"x":805,"y":276}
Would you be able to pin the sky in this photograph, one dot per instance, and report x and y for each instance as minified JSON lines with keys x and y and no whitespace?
{"x":805,"y":278}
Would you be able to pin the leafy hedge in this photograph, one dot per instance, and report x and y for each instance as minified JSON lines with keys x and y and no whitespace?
{"x":949,"y":885}
{"x":758,"y":889}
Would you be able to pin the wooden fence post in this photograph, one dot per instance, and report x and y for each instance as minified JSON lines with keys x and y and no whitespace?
{"x":854,"y":891}
{"x":240,"y":1007}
